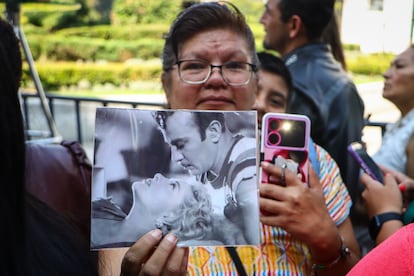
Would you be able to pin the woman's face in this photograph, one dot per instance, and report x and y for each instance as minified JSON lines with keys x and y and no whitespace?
{"x":216,"y":47}
{"x":399,"y":81}
{"x":158,"y":195}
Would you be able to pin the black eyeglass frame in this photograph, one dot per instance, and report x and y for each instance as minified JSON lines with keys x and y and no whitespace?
{"x":253,"y":68}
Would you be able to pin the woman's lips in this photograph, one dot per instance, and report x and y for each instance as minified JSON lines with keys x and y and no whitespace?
{"x":387,"y":86}
{"x":215,"y":101}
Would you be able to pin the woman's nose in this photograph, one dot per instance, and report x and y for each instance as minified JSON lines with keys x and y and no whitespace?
{"x":387,"y":73}
{"x":259,"y":104}
{"x":216,"y":76}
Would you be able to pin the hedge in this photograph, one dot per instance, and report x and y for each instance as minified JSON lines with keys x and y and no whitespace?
{"x":373,"y":64}
{"x":55,"y":75}
{"x":107,"y":32}
{"x":74,"y":48}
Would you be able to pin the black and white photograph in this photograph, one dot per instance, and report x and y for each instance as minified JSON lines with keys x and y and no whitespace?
{"x":190,"y":173}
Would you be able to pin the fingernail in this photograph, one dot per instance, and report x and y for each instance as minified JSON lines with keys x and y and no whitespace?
{"x":172,"y":238}
{"x":156,"y":233}
{"x":264,"y":164}
{"x":402,"y":187}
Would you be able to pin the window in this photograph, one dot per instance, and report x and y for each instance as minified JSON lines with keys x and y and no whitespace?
{"x":376,"y":5}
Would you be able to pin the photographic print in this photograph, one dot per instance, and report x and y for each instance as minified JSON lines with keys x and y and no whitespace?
{"x":191,"y":173}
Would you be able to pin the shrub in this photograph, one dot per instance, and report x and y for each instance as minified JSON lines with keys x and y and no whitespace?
{"x":128,"y":32}
{"x":56,"y":75}
{"x":73,"y":48}
{"x":373,"y":64}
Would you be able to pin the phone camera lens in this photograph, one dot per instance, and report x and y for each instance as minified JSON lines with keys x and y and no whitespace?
{"x":274,"y":124}
{"x":273,"y":138}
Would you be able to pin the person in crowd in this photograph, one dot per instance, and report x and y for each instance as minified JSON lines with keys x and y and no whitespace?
{"x":35,"y":239}
{"x":175,"y":206}
{"x":224,"y":162}
{"x":218,"y":34}
{"x":397,"y":148}
{"x":390,"y":205}
{"x":274,"y":90}
{"x":393,"y":256}
{"x":323,"y":90}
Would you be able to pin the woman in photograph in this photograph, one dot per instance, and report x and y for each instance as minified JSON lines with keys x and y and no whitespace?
{"x":175,"y":206}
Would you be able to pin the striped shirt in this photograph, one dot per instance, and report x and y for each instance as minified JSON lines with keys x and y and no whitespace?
{"x":279,"y":253}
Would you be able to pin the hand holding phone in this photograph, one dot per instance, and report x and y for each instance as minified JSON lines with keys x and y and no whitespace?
{"x":285,"y":141}
{"x":365,"y":161}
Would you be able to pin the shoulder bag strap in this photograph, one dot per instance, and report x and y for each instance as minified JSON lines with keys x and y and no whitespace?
{"x":237,"y":261}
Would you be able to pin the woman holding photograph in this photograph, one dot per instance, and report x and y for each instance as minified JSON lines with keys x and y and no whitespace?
{"x":173,"y":206}
{"x":217,"y":34}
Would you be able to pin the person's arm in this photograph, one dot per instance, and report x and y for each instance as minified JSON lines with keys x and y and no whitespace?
{"x":301,"y":211}
{"x":347,"y":254}
{"x":393,"y":256}
{"x":150,"y":255}
{"x":409,"y":151}
{"x":383,"y":198}
{"x":405,"y":183}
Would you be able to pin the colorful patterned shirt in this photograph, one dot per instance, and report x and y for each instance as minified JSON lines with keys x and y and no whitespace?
{"x":279,"y":253}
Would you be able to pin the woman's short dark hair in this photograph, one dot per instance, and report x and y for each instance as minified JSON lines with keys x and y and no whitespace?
{"x":315,"y":14}
{"x":200,"y":17}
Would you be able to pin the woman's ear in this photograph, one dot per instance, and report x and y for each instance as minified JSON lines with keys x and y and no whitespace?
{"x":213,"y":131}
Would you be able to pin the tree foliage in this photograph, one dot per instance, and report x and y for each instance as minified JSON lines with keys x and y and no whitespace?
{"x":154,"y":11}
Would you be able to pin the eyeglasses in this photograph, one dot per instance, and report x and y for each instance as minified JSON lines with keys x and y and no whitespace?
{"x":197,"y":71}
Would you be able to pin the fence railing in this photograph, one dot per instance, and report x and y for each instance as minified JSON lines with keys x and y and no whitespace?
{"x":78,"y":101}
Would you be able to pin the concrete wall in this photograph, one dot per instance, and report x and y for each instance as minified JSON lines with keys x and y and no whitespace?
{"x":388,"y":30}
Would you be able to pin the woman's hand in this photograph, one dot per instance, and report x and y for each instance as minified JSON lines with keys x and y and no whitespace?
{"x":380,"y":198}
{"x":154,"y":255}
{"x":405,"y":183}
{"x":298,"y":208}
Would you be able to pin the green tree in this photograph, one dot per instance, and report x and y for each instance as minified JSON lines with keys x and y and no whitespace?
{"x":154,"y":11}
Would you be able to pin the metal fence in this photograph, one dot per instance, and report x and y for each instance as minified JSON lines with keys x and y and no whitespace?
{"x":75,"y":115}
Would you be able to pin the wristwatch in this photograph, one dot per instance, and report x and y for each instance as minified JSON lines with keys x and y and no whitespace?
{"x":378,"y":220}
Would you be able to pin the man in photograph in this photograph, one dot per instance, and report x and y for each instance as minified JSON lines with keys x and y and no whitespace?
{"x":225,"y":162}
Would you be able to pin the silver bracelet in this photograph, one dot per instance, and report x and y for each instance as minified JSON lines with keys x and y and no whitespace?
{"x":343,"y":253}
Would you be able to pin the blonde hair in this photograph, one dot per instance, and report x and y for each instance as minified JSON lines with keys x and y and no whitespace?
{"x":192,"y":219}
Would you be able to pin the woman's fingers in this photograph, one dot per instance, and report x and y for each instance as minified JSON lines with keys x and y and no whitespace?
{"x":140,"y":252}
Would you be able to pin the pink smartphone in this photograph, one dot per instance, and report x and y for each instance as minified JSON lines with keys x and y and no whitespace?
{"x":285,"y":139}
